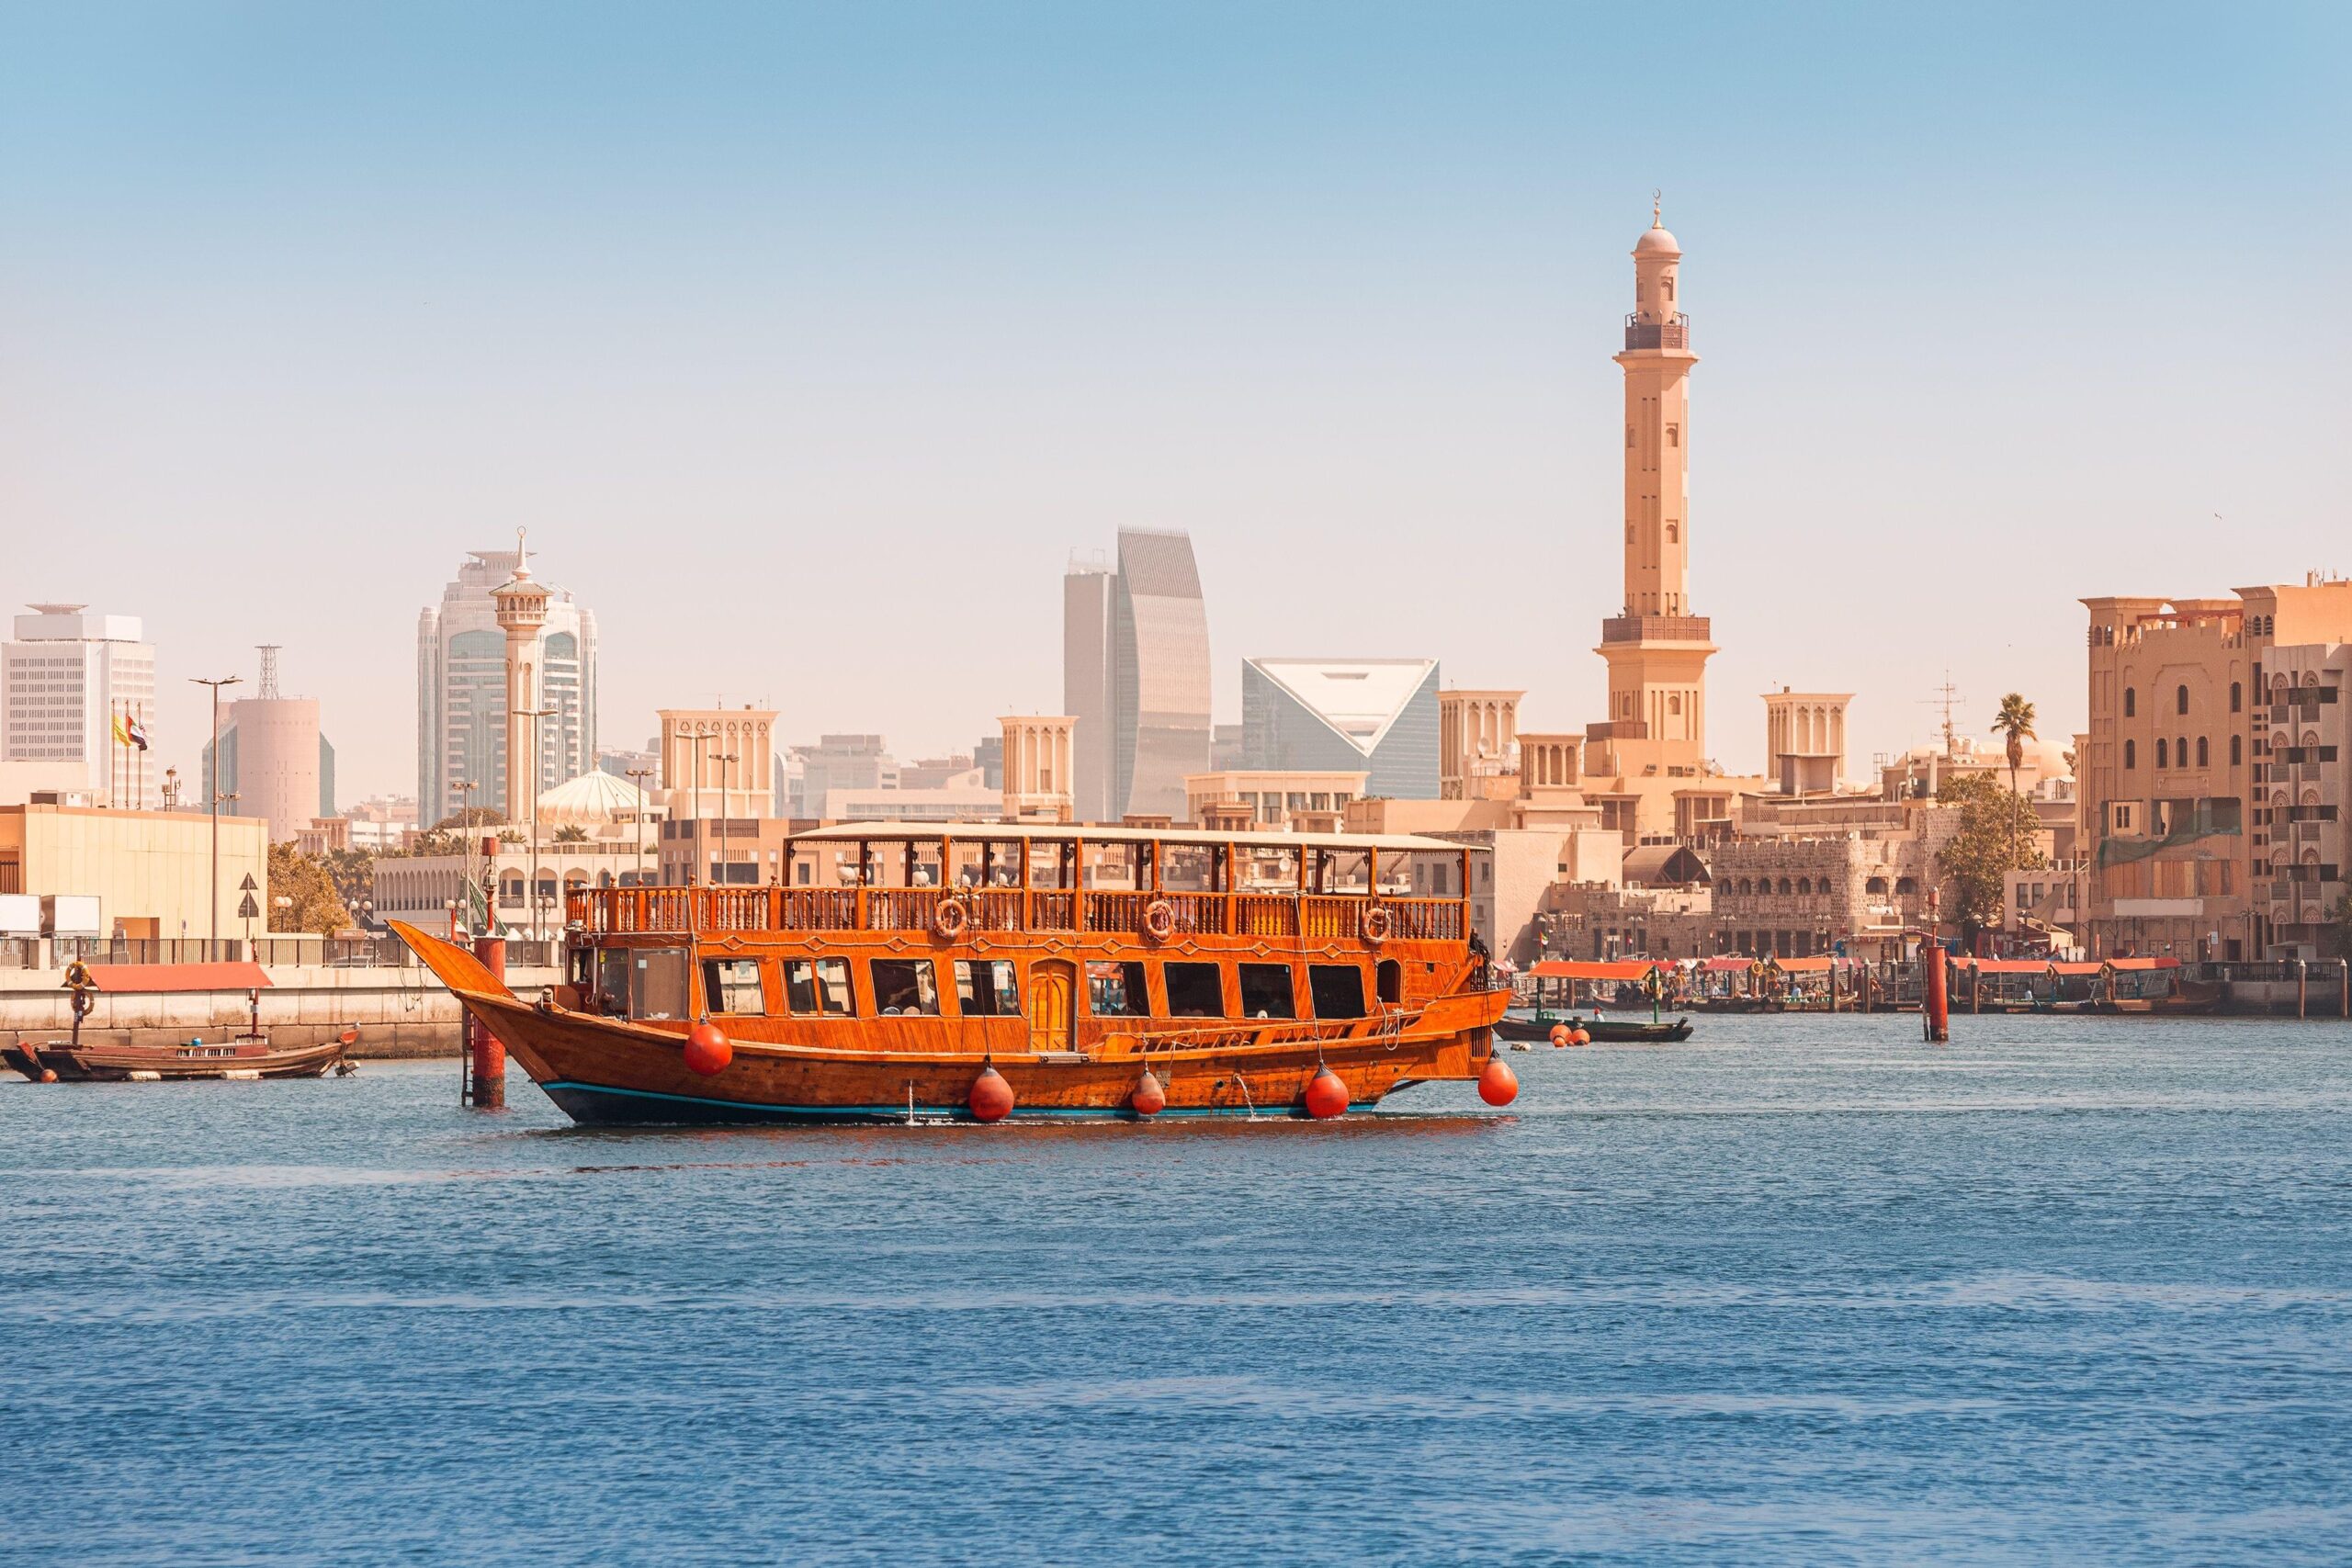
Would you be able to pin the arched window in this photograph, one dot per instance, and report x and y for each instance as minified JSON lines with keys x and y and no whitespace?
{"x":2180,"y":751}
{"x":1875,"y":884}
{"x":2162,"y":753}
{"x":2130,"y":754}
{"x":2237,"y":751}
{"x":1674,"y":702}
{"x":1673,"y":533}
{"x":1673,"y":432}
{"x":2180,"y":699}
{"x":2202,"y":758}
{"x":510,"y":888}
{"x":1805,"y":886}
{"x":1629,"y":438}
{"x":1906,"y":886}
{"x":2130,"y":703}
{"x":2237,"y":696}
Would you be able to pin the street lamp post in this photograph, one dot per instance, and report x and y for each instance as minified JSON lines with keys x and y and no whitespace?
{"x":213,"y":791}
{"x":636,"y":775}
{"x":726,"y":807}
{"x":703,"y":736}
{"x":534,"y":715}
{"x":466,"y":828}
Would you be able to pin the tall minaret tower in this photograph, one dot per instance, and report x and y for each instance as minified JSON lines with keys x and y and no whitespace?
{"x":522,"y":613}
{"x":1657,"y":649}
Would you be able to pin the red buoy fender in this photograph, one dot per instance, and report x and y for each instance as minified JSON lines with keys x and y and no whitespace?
{"x":1327,"y":1096}
{"x":990,"y":1098}
{"x":1497,"y":1085}
{"x":1562,"y":1034}
{"x":707,"y":1050}
{"x":1147,"y":1098}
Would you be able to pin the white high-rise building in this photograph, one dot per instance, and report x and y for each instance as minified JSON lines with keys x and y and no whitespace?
{"x":64,"y":679}
{"x":461,"y":719}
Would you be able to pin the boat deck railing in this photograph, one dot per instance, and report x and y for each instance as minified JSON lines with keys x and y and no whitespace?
{"x":1311,"y":916}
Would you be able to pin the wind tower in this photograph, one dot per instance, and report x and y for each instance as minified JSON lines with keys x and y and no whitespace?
{"x":522,"y":607}
{"x":1656,"y":648}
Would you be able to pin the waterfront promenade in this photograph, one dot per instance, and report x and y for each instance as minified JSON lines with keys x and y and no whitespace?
{"x":1801,"y":1291}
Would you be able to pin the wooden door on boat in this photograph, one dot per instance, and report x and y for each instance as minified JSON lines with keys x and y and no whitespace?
{"x":1053,"y":989}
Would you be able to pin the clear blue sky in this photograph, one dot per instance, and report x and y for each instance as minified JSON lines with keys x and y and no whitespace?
{"x":809,"y":340}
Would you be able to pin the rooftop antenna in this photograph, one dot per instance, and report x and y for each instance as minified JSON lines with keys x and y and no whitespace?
{"x":1947,"y":698}
{"x":268,"y":670}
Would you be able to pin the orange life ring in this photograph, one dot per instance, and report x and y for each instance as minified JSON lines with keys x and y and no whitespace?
{"x":1159,"y":920}
{"x":951,"y":920}
{"x":1377,"y":924}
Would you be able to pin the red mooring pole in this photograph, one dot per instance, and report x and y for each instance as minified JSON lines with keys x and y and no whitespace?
{"x":1935,"y":994}
{"x":487,"y":1090}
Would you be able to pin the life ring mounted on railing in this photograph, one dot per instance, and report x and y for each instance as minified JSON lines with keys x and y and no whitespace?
{"x":1379,"y":924}
{"x":1159,"y":920}
{"x":951,"y":920}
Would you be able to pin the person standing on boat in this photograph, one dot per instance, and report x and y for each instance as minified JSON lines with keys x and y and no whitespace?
{"x":79,"y":982}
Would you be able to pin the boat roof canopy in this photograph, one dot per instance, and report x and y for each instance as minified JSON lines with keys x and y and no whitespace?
{"x":1035,"y":832}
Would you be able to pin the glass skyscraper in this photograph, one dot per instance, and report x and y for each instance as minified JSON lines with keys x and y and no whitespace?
{"x":1135,"y":676}
{"x":1341,"y":714}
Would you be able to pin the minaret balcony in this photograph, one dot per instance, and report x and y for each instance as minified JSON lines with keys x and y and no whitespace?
{"x":1656,"y":629}
{"x":1672,"y":333}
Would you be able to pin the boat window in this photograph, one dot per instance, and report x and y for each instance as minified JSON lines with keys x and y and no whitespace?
{"x":1266,"y":991}
{"x":1265,"y":869}
{"x":1337,"y":989}
{"x":1049,"y":863}
{"x":1191,"y":868}
{"x":657,"y":987}
{"x":1342,"y":871}
{"x":612,"y":981}
{"x":818,"y":985}
{"x":732,"y":985}
{"x":1119,"y":867}
{"x":1116,"y":991}
{"x":903,"y":985}
{"x":1194,"y":990}
{"x":986,"y":987}
{"x":1391,"y":977}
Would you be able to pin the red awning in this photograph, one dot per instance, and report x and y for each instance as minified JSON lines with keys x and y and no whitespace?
{"x":1802,"y":965}
{"x":1623,"y":969}
{"x":2144,"y":963}
{"x":2013,"y":966}
{"x":1727,"y":965}
{"x":238,"y":976}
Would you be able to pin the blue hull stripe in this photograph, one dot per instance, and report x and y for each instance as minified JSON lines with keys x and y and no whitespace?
{"x":561,"y":1087}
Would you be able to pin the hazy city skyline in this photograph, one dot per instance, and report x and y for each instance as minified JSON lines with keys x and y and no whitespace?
{"x":788,"y":337}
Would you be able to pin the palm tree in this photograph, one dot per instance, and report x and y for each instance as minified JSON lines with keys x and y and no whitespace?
{"x":2016,"y":721}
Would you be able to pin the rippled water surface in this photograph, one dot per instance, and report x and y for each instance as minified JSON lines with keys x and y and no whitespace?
{"x":1800,"y":1291}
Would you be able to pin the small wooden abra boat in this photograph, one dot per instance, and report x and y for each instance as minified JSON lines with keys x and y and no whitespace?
{"x":1550,"y":1003}
{"x":910,"y":972}
{"x":246,"y":1055}
{"x":60,"y":1061}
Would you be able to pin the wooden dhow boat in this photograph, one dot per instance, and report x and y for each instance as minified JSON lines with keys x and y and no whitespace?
{"x":903,"y":972}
